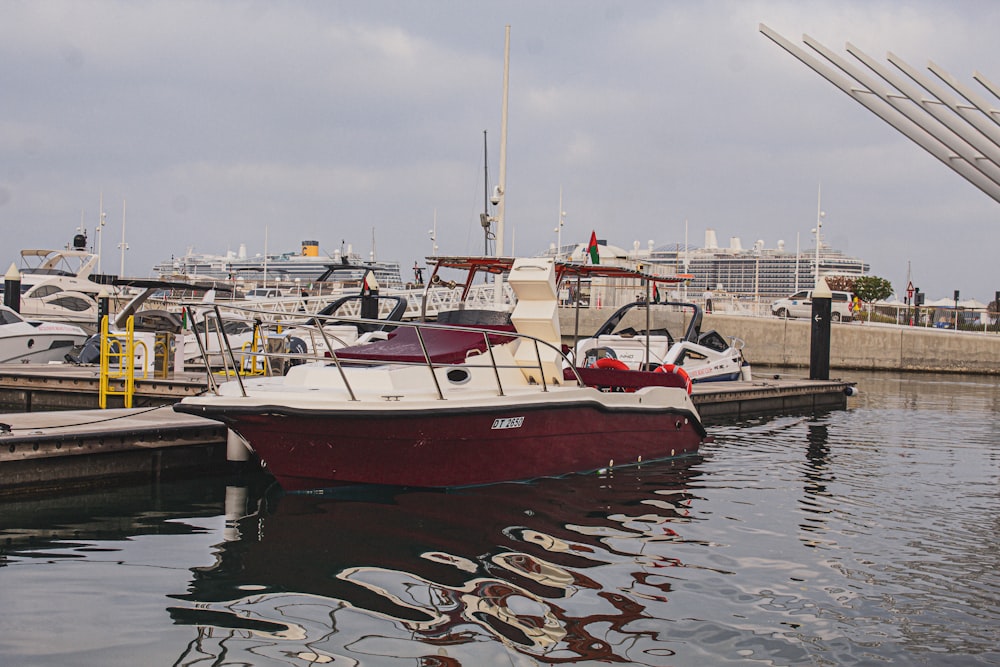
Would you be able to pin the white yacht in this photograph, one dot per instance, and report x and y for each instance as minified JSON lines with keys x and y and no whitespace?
{"x":60,"y":285}
{"x":29,"y":341}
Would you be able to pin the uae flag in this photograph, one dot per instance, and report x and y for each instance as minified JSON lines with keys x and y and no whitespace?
{"x":595,"y":258}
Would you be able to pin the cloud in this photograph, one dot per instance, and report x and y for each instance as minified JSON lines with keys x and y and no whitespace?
{"x":328,"y":120}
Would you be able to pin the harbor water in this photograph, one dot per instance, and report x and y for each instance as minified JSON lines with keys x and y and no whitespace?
{"x":868,"y":536}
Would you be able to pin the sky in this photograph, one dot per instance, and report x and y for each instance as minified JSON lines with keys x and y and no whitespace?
{"x":215,"y":124}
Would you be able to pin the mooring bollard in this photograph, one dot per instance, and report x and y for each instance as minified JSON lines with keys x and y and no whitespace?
{"x":12,"y":289}
{"x":102,"y":307}
{"x":819,"y":349}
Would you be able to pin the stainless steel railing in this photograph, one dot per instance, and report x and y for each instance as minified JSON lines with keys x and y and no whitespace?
{"x":262,"y":358}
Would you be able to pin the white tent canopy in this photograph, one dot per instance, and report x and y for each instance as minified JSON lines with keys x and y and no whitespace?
{"x":967,"y":304}
{"x":972,"y":304}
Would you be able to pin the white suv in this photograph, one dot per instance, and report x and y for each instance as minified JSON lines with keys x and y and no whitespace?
{"x":800,"y":305}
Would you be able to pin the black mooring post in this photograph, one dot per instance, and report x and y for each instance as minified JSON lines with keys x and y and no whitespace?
{"x":102,"y":308}
{"x":819,"y":350}
{"x":12,"y":289}
{"x":369,"y":301}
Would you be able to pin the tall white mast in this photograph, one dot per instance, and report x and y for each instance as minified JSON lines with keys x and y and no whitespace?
{"x":502,"y":185}
{"x":123,"y":246}
{"x":562,"y":221}
{"x":434,"y":235}
{"x":500,"y":193}
{"x":687,"y":257}
{"x":100,"y":228}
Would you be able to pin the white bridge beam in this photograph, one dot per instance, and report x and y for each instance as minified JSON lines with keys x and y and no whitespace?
{"x":964,"y":134}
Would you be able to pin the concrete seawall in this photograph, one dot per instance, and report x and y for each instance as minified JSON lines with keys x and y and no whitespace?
{"x":771,"y":341}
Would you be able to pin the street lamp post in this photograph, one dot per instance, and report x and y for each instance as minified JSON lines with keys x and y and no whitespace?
{"x":956,"y":310}
{"x":819,"y":227}
{"x":757,"y":247}
{"x":820,"y":214}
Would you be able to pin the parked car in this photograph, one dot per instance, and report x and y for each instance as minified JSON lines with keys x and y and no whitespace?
{"x":800,"y":305}
{"x":263,"y":293}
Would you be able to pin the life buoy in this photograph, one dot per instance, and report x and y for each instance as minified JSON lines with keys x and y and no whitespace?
{"x":677,"y":370}
{"x":608,"y":362}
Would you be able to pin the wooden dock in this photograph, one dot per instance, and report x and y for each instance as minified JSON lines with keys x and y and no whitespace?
{"x":49,"y":451}
{"x":741,"y":400}
{"x":46,"y":447}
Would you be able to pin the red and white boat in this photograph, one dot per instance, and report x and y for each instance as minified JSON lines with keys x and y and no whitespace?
{"x":511,"y":411}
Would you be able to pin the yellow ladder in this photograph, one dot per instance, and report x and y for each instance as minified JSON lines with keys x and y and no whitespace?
{"x":117,"y":363}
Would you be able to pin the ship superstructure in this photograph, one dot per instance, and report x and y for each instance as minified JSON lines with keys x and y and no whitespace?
{"x":289,"y":267}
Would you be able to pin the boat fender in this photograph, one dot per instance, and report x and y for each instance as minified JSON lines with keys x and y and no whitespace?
{"x":671,"y":368}
{"x":608,"y":362}
{"x":851,"y":391}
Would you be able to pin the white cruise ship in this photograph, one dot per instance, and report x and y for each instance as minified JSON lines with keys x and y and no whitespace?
{"x":735,"y":270}
{"x":758,"y":270}
{"x":303,"y":267}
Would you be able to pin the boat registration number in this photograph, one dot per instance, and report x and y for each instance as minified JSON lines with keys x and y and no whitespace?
{"x":508,"y":422}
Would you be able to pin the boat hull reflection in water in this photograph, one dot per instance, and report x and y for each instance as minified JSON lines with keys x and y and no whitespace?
{"x":472,"y":575}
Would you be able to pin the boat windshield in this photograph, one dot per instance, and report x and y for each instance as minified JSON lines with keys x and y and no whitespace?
{"x":670,"y":321}
{"x":9,"y":316}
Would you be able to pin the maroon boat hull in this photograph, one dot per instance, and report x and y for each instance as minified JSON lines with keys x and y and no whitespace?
{"x":306,"y":449}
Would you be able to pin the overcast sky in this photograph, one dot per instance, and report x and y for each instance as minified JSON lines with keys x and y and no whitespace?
{"x":221,"y":123}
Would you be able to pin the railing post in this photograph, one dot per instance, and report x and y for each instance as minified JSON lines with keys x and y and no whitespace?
{"x":102,"y":400}
{"x":225,"y":349}
{"x":430,"y":364}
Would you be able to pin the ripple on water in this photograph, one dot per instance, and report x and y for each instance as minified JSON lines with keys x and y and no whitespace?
{"x":856,"y":537}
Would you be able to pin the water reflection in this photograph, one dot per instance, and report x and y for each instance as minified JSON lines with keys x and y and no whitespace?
{"x":463,"y":575}
{"x":32,"y":525}
{"x":817,"y":478}
{"x":858,"y":537}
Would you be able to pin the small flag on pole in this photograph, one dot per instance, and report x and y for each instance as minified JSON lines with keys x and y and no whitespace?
{"x":656,"y":293}
{"x":595,"y":258}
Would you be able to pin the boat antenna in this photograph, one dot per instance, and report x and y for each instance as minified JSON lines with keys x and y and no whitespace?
{"x":486,"y":198}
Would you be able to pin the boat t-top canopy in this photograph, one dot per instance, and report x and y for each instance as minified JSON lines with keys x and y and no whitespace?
{"x":502,"y":265}
{"x":43,"y":261}
{"x":574,"y":269}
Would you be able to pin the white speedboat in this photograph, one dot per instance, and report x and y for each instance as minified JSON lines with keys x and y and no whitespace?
{"x":513,"y":411}
{"x":641,"y":336}
{"x":30,"y":341}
